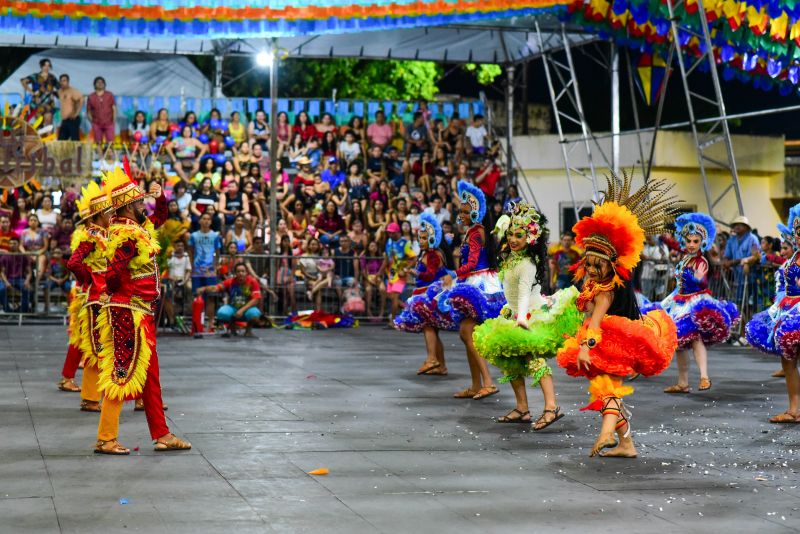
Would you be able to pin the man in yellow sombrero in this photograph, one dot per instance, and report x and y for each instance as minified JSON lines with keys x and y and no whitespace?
{"x":88,"y":263}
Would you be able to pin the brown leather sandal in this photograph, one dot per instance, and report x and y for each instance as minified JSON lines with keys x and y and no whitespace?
{"x":440,"y":371}
{"x":465,"y":394}
{"x":521,"y":417}
{"x":677,"y":388}
{"x":785,"y":418}
{"x":90,"y":406}
{"x":780,"y":373}
{"x":485,"y":391}
{"x":171,"y":443}
{"x":427,"y":367}
{"x":705,"y":384}
{"x":111,"y":447}
{"x":543,"y":419}
{"x":68,"y":384}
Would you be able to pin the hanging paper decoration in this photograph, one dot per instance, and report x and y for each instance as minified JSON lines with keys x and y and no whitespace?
{"x":755,"y":40}
{"x":257,"y":18}
{"x":650,"y":71}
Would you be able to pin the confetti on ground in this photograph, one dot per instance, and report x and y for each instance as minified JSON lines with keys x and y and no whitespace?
{"x":320,"y":471}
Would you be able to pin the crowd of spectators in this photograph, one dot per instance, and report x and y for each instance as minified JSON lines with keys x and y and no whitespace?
{"x":339,"y":188}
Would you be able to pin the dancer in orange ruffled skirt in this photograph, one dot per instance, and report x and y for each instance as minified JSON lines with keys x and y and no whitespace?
{"x":616,"y":340}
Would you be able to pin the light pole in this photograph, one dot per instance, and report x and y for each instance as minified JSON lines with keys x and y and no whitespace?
{"x":270,"y":58}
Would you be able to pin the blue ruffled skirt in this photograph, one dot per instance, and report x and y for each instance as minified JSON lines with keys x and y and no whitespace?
{"x":776,"y":330}
{"x":478,"y":297}
{"x":422,"y":310}
{"x":700,"y":316}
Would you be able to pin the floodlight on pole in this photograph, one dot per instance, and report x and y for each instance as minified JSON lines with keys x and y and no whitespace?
{"x":264,"y":58}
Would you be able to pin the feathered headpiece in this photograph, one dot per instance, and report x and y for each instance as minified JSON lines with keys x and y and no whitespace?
{"x":93,"y":201}
{"x":786,"y":233}
{"x":120,"y":186}
{"x":794,"y":218}
{"x":699,"y":224}
{"x":429,"y":225}
{"x":472,"y":195}
{"x":616,"y":230}
{"x":520,"y":215}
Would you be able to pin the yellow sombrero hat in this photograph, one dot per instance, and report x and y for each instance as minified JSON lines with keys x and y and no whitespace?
{"x":120,"y":187}
{"x":93,"y":201}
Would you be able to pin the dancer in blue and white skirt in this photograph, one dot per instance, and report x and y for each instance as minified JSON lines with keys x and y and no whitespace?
{"x":776,"y":330}
{"x":701,"y":319}
{"x":476,"y":294}
{"x":421,"y":313}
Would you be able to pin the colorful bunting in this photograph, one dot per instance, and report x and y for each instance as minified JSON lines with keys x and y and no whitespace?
{"x":257,"y":18}
{"x":757,"y":40}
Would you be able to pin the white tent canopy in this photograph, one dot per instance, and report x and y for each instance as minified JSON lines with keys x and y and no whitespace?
{"x":500,"y":41}
{"x":125,"y":73}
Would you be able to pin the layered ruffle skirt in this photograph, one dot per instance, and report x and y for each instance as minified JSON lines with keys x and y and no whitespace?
{"x":776,"y":330}
{"x":521,"y":352}
{"x":701,"y":316}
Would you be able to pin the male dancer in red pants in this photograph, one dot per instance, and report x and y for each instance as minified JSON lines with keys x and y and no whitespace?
{"x":88,"y":240}
{"x":128,"y":358}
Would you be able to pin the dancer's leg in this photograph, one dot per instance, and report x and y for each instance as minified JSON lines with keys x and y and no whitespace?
{"x":700,"y":357}
{"x":792,"y":384}
{"x":108,"y":427}
{"x":478,"y":368}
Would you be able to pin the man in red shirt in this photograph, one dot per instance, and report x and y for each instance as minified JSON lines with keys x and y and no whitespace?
{"x":6,"y":233}
{"x":101,"y":110}
{"x":488,"y":176}
{"x":244,"y":297}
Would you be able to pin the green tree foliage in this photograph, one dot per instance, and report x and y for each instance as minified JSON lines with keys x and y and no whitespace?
{"x":484,"y":73}
{"x":352,"y":78}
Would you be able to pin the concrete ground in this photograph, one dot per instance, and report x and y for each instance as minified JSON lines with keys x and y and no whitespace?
{"x":403,"y":455}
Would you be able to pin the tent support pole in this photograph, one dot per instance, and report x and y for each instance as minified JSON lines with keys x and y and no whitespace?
{"x":615,"y":128}
{"x":218,"y":75}
{"x":273,"y":159}
{"x":510,"y":121}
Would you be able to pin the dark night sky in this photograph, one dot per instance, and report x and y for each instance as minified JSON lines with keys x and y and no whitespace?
{"x":595,"y":85}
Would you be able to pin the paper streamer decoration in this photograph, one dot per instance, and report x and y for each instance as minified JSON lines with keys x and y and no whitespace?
{"x":258,"y":18}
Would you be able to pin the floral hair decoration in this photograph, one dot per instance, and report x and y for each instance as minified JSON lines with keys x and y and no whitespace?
{"x":520,"y":215}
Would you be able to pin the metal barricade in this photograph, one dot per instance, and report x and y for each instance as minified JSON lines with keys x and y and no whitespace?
{"x":24,"y":287}
{"x":289,"y":291}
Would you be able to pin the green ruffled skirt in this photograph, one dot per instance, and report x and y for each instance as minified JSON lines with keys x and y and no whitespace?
{"x":521,"y":353}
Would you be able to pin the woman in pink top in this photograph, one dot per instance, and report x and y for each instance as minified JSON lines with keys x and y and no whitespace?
{"x":379,"y":132}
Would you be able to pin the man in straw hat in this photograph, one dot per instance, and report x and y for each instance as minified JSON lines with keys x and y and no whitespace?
{"x":742,"y":251}
{"x":88,"y":264}
{"x":128,"y":358}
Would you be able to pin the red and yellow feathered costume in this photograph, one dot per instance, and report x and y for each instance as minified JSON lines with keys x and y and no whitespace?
{"x":128,"y":360}
{"x":627,"y":343}
{"x":87,"y":263}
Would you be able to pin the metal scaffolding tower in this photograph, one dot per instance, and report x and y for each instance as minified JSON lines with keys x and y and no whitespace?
{"x":718,"y":132}
{"x":565,"y":98}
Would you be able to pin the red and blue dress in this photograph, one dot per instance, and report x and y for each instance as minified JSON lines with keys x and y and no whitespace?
{"x":477,"y":293}
{"x":696,"y":313}
{"x":422,"y":309}
{"x":776,"y":330}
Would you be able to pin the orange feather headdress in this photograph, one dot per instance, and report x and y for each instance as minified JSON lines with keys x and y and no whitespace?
{"x":616,"y":230}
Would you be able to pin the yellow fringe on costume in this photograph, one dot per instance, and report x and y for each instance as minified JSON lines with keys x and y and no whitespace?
{"x":78,"y":236}
{"x":131,"y":386}
{"x":77,"y":315}
{"x":96,"y":260}
{"x":146,"y":237}
{"x":86,"y":342}
{"x":602,"y":387}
